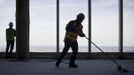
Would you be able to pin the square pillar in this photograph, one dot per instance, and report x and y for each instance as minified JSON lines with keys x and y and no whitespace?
{"x":22,"y":29}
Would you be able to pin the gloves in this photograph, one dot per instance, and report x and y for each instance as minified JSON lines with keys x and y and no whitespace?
{"x":82,"y":35}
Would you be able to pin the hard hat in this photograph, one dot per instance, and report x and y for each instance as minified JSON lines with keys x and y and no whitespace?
{"x":80,"y":16}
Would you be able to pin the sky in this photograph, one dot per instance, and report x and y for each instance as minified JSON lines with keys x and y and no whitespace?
{"x":43,"y":21}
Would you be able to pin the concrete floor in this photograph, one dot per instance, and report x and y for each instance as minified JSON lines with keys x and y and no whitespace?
{"x":47,"y":67}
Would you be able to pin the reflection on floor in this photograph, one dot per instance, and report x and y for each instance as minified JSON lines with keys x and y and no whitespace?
{"x":47,"y":67}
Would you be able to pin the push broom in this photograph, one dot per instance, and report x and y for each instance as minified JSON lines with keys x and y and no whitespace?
{"x":119,"y":67}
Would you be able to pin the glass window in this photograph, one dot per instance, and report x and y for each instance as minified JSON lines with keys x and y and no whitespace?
{"x":68,"y":11}
{"x":128,"y":26}
{"x":7,"y":14}
{"x":105,"y":25}
{"x":43,"y":26}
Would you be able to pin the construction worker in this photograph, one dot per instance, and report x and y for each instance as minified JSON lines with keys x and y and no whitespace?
{"x":73,"y":29}
{"x":10,"y":34}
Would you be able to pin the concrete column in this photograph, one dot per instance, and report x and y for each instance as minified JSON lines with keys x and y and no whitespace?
{"x":22,"y":29}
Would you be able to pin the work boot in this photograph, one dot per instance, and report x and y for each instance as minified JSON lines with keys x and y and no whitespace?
{"x":57,"y":64}
{"x":73,"y":66}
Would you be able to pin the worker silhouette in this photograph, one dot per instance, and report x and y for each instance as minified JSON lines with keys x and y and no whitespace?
{"x":73,"y":29}
{"x":10,"y":34}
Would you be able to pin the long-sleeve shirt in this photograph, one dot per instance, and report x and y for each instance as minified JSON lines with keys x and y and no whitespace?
{"x":73,"y":29}
{"x":10,"y":34}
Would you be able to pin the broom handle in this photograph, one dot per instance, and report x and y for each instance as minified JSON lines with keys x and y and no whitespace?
{"x":102,"y":51}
